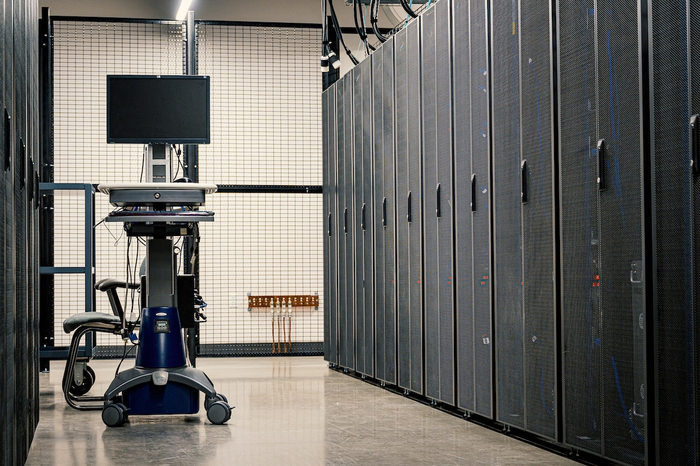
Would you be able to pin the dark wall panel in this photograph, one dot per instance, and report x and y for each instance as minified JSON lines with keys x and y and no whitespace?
{"x":330,"y":247}
{"x":363,"y":221}
{"x":437,"y":202}
{"x":409,"y":214}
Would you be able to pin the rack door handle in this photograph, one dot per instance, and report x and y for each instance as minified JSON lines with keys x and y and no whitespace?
{"x":345,"y":221}
{"x":330,"y":219}
{"x":384,"y":212}
{"x":695,"y":143}
{"x":438,"y":212}
{"x":7,"y":121}
{"x":523,"y":182}
{"x":473,"y":203}
{"x":22,"y":164}
{"x":37,"y":199}
{"x":408,"y":214}
{"x":362,"y":219}
{"x":600,"y":153}
{"x":30,"y":180}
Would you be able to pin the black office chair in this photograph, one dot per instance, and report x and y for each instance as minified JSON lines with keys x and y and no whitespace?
{"x":78,"y":377}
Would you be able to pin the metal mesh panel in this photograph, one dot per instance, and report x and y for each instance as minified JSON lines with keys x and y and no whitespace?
{"x":538,"y":221}
{"x":331,"y":300}
{"x":507,"y":222}
{"x":481,"y":238}
{"x":620,"y":240}
{"x":362,"y":131}
{"x":345,"y":218}
{"x":403,"y":285}
{"x":377,"y":201}
{"x":430,"y":181}
{"x":415,"y":187}
{"x":579,"y":226}
{"x":694,"y":21}
{"x":463,"y":125}
{"x":674,"y":237}
{"x":445,"y":276}
{"x":266,"y":104}
{"x":388,"y":198}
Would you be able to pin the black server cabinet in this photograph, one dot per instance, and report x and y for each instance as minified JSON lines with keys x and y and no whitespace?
{"x":330,"y":238}
{"x":522,"y":165}
{"x":602,"y":249}
{"x":674,"y":47}
{"x":384,"y":212}
{"x":364,"y":278}
{"x":471,"y":203}
{"x":409,"y":217}
{"x":346,"y":252}
{"x":438,"y":202}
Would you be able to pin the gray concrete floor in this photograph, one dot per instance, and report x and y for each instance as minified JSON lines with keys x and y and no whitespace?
{"x":291,"y":411}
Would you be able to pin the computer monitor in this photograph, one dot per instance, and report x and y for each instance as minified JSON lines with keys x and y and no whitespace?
{"x":158,"y":109}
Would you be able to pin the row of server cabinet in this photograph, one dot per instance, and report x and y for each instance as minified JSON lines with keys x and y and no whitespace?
{"x":512,"y":219}
{"x":19,"y":228}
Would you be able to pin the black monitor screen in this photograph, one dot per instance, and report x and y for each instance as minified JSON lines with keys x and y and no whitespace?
{"x":158,"y":109}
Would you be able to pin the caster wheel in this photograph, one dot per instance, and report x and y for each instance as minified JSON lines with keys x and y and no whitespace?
{"x":88,"y":382}
{"x":218,"y":412}
{"x":219,"y":397}
{"x":114,"y":415}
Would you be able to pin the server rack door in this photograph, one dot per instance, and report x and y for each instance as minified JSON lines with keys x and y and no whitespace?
{"x":326,"y":224}
{"x":383,"y":109}
{"x":621,"y":247}
{"x":537,"y":184}
{"x":508,"y":281}
{"x":4,"y":27}
{"x":333,"y":229}
{"x":472,"y":217}
{"x":362,"y":132}
{"x":346,"y":267}
{"x":437,"y":202}
{"x":524,"y":217}
{"x":675,"y":103}
{"x":580,"y":230}
{"x":388,"y":224}
{"x":409,"y":218}
{"x":379,"y":240}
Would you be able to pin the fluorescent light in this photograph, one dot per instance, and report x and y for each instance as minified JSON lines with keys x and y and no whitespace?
{"x":182,"y":12}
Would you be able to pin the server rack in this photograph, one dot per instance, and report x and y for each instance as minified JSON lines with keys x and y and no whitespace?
{"x":330,"y":238}
{"x":363,"y":220}
{"x":346,"y":265}
{"x":409,"y":219}
{"x":384,"y":215}
{"x":471,"y":203}
{"x":438,"y":202}
{"x":674,"y":140}
{"x":524,"y":264}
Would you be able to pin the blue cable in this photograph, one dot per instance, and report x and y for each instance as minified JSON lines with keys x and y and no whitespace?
{"x":622,"y":402}
{"x":410,"y":5}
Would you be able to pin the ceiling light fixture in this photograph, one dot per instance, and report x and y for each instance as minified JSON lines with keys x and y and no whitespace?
{"x":182,"y":12}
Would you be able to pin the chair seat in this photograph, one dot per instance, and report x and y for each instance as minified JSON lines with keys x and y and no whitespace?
{"x":84,"y":318}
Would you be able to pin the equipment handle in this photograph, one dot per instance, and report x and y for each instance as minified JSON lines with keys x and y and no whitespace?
{"x":7,"y":147}
{"x":22,"y":164}
{"x":362,"y":220}
{"x":384,"y":212}
{"x":330,"y":218}
{"x":473,"y":203}
{"x":600,"y":152}
{"x":695,"y":143}
{"x":408,"y":215}
{"x":523,"y":182}
{"x":438,"y":212}
{"x":345,"y":221}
